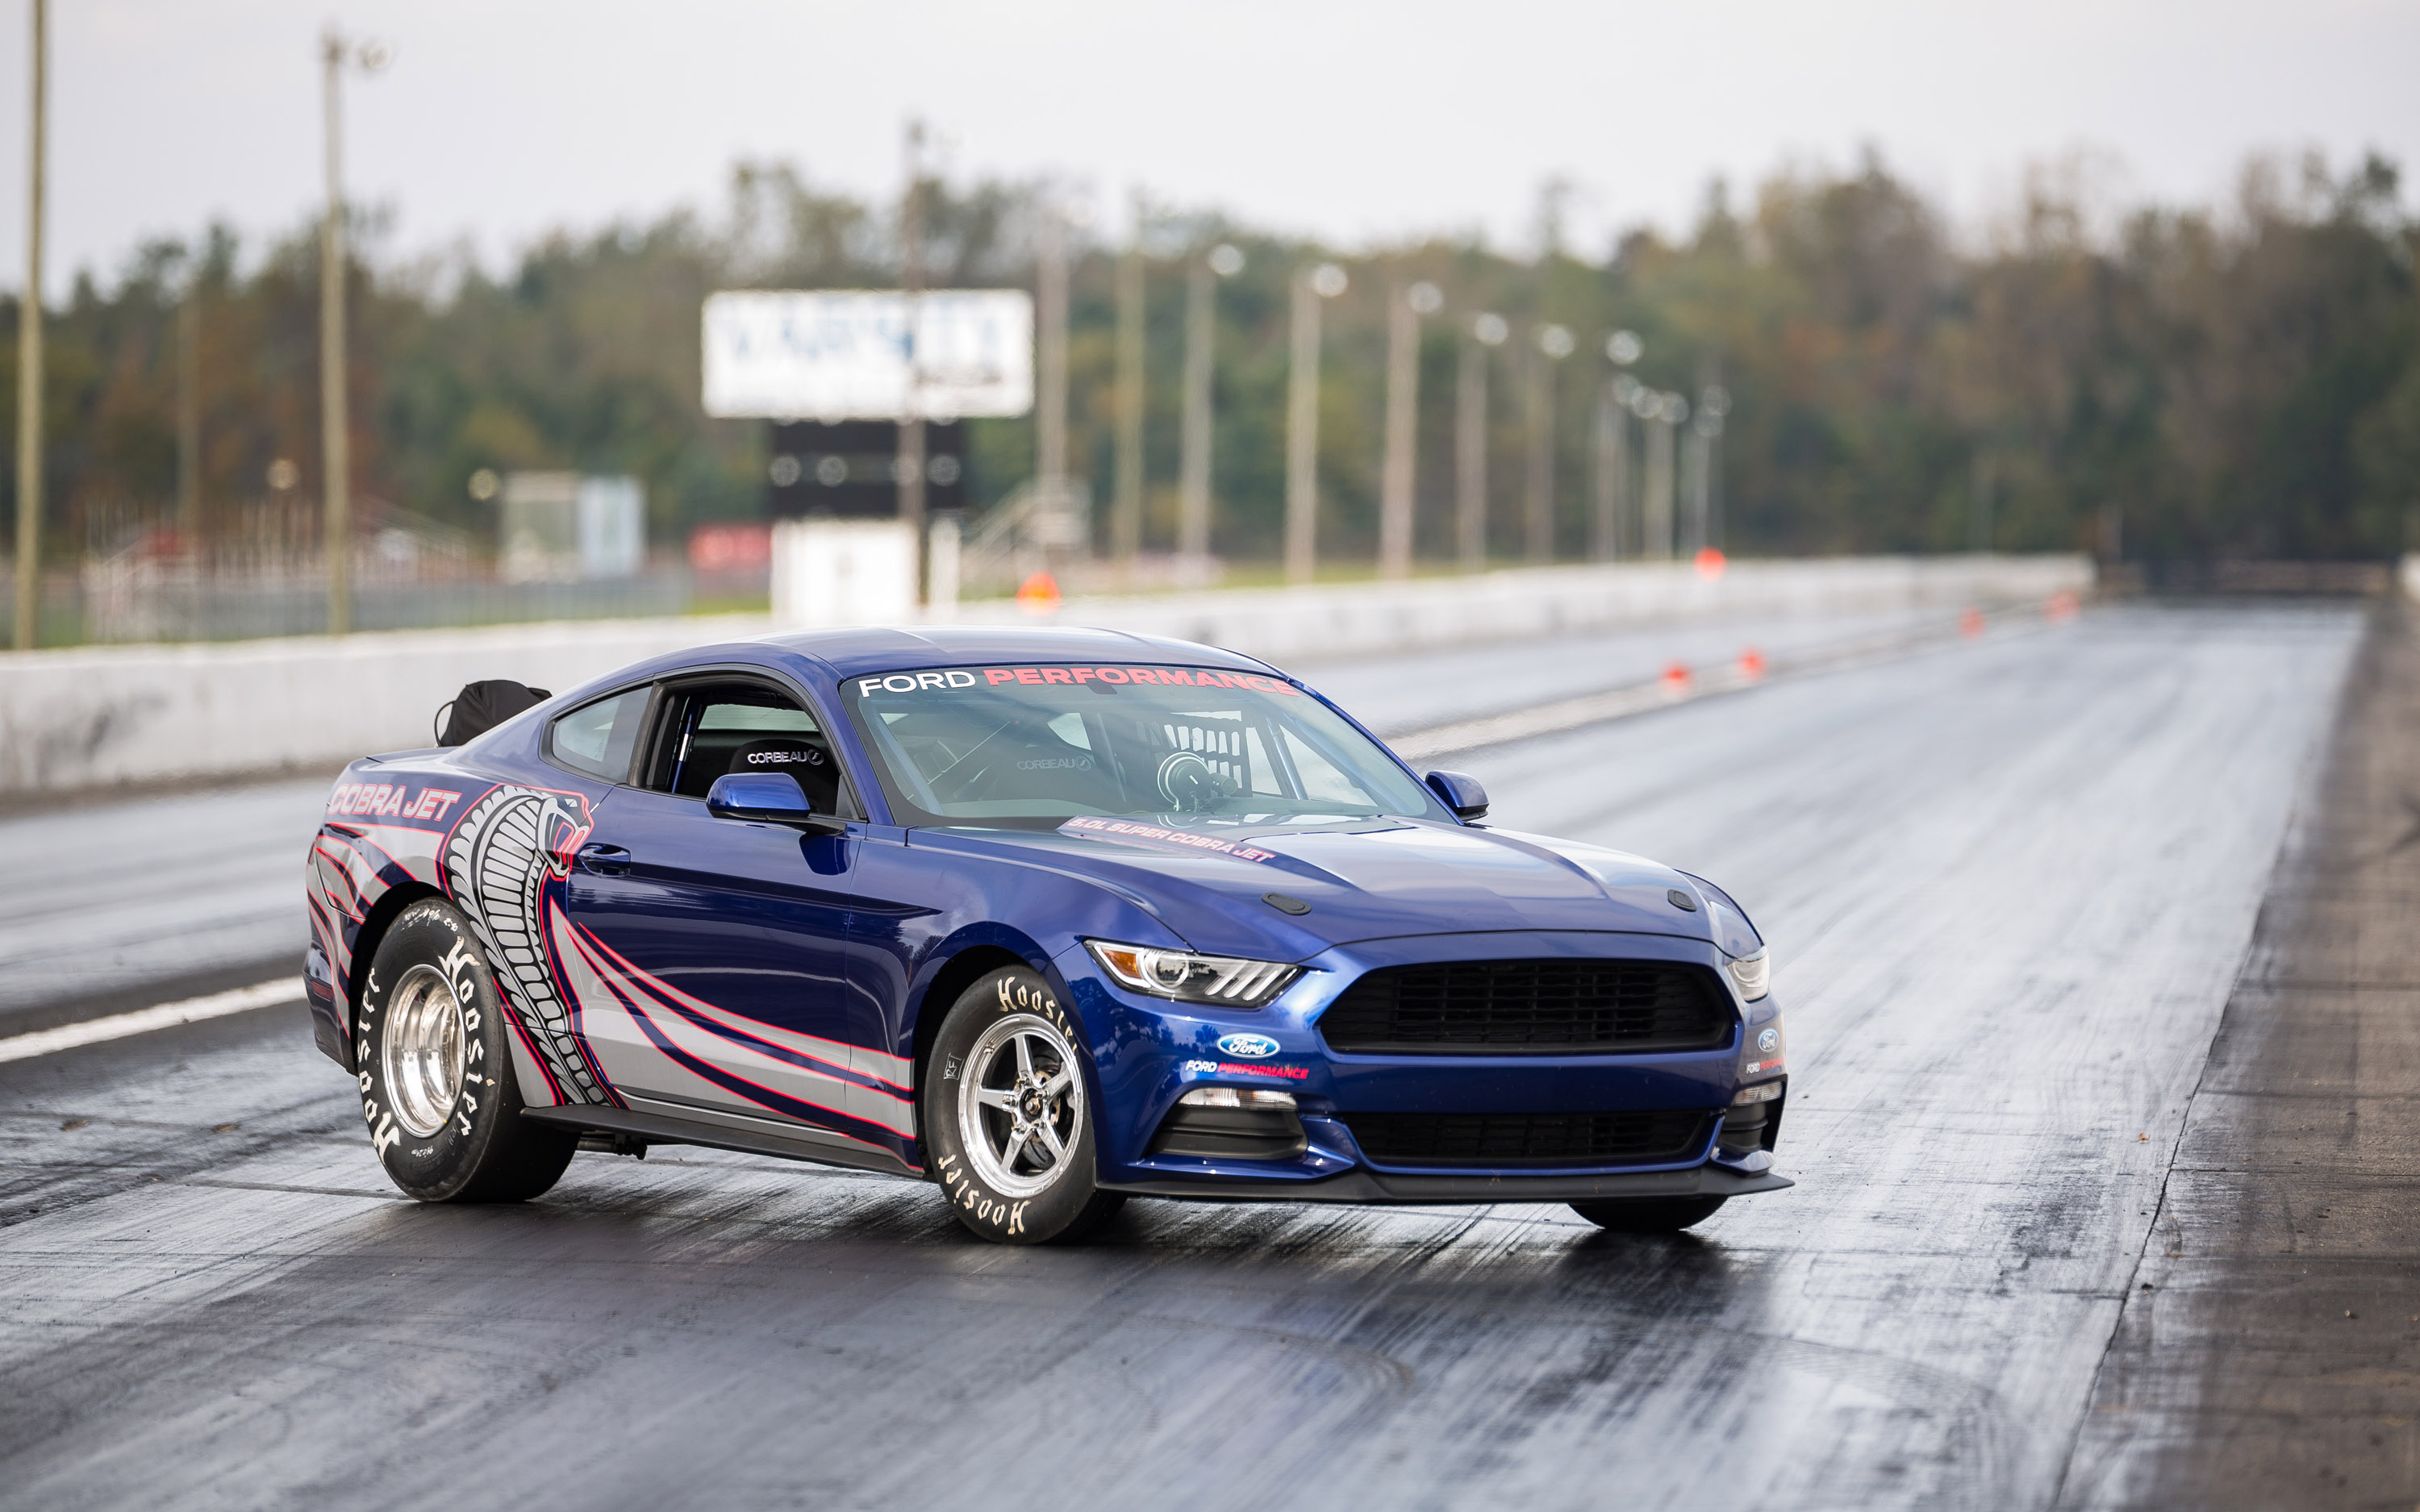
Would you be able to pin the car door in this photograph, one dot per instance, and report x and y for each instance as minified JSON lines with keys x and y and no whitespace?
{"x":713,"y":953}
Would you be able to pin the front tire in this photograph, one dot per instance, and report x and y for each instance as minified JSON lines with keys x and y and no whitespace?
{"x":1008,"y":1118}
{"x":1648,"y":1215}
{"x":436,"y":1061}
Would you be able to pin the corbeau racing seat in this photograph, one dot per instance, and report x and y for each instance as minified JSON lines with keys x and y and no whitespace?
{"x":801,"y":757}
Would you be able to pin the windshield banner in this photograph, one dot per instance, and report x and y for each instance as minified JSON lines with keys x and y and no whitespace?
{"x":1181,"y":839}
{"x":995,"y":676}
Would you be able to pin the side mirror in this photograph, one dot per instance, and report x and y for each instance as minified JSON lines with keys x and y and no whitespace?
{"x":1460,"y":793}
{"x":767,"y":799}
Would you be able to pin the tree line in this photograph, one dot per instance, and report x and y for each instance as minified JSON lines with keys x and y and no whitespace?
{"x":2231,"y":380}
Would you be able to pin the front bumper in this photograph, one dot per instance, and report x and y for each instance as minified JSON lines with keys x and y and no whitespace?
{"x":1149,"y":1052}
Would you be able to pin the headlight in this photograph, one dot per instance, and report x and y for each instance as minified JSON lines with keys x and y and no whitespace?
{"x":1754,"y":975}
{"x":1224,"y":979}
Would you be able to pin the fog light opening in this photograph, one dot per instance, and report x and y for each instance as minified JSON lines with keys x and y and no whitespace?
{"x":1236,"y":1097}
{"x":1763,"y":1093}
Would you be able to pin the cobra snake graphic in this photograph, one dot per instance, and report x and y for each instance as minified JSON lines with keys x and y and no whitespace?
{"x":512,"y":844}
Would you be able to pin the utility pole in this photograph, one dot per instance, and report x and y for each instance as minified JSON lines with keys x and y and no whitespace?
{"x":189,"y":417}
{"x":1051,"y":407}
{"x":910,"y":468}
{"x":1201,"y":338}
{"x":1327,"y":281}
{"x":1404,"y":311}
{"x":1553,"y":344}
{"x":336,"y":459}
{"x":1125,"y":515}
{"x":1470,"y":443}
{"x":335,"y":451}
{"x":29,"y":360}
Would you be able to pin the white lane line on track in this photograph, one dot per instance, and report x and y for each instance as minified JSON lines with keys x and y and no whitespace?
{"x":145,"y":1020}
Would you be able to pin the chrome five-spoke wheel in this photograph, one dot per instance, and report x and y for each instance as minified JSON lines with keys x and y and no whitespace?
{"x":421,"y":1050}
{"x":1022,"y":1104}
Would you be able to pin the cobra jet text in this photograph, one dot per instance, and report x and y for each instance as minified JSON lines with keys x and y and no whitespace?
{"x":390,"y":800}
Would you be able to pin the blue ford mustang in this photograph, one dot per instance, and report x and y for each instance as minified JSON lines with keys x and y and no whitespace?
{"x":1049,"y":918}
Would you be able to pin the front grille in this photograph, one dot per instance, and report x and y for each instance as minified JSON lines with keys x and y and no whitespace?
{"x":1498,"y":1139}
{"x":1496,"y":1007}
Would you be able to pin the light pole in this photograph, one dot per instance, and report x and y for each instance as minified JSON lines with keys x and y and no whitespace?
{"x":1200,"y":337}
{"x":1125,"y":512}
{"x":189,"y":417}
{"x":1050,"y":405}
{"x":1402,"y":425}
{"x":1470,"y":441}
{"x":1554,"y":345}
{"x":1613,"y":445}
{"x":1705,"y":488}
{"x":907,"y":469}
{"x":335,"y":449}
{"x":1979,"y":501}
{"x":29,"y":358}
{"x":1662,"y":412}
{"x":1324,"y":282}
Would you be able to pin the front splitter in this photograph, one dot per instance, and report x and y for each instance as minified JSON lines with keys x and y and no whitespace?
{"x":1378,"y":1188}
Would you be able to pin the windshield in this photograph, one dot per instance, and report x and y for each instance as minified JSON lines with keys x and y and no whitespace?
{"x":1008,"y":744}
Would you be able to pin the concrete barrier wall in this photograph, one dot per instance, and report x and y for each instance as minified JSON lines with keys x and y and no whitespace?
{"x":106,"y":716}
{"x":1304,"y":626}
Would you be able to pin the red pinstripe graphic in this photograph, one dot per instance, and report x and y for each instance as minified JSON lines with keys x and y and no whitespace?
{"x":547,"y":913}
{"x":627,"y":992}
{"x":339,"y":959}
{"x":675,"y":997}
{"x":344,"y":873}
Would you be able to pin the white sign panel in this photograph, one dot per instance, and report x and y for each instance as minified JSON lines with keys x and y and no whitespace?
{"x":847,"y":355}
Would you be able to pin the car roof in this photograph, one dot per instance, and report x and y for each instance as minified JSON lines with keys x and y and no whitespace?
{"x":875,"y":649}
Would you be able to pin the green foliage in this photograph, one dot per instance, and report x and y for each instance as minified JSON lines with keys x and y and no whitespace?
{"x":2235,"y":383}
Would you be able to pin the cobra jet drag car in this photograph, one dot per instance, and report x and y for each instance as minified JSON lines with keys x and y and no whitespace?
{"x":1049,"y":918}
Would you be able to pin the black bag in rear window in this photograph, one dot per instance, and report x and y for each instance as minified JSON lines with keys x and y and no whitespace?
{"x":482,"y":706}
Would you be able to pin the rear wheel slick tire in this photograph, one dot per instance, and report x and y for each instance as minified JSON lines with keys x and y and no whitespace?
{"x":435,"y":1053}
{"x":1008,"y":1116}
{"x":1648,"y":1215}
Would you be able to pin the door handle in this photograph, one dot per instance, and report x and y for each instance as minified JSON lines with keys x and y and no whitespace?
{"x":604,"y":860}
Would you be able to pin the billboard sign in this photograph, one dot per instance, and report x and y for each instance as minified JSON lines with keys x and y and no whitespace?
{"x":847,"y":354}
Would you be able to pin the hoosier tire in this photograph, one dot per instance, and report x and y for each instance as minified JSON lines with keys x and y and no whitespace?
{"x":1008,"y":1118}
{"x":435,"y":1053}
{"x":1648,"y":1215}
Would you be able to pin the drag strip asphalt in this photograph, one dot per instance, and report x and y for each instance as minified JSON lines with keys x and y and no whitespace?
{"x":2010,"y":885}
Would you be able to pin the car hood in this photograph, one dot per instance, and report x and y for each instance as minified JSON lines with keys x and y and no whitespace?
{"x":1367,"y":880}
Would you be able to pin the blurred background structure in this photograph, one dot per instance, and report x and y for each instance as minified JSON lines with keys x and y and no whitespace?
{"x":1828,"y":362}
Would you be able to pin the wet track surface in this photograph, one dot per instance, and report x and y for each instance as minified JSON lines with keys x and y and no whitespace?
{"x":2010,"y":885}
{"x":119,"y":906}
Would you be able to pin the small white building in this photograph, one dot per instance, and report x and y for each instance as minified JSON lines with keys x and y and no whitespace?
{"x":561,"y":527}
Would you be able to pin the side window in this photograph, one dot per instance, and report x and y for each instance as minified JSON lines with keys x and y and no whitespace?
{"x":598,"y":738}
{"x":712,"y":728}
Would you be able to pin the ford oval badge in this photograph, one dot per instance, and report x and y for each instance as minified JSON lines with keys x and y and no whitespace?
{"x":1768,"y":1041}
{"x":1250,"y":1046}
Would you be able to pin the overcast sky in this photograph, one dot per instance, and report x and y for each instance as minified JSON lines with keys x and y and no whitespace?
{"x":502,"y":118}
